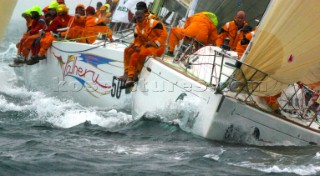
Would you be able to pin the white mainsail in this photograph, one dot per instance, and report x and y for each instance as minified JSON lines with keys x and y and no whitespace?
{"x":286,"y":45}
{"x":6,"y":9}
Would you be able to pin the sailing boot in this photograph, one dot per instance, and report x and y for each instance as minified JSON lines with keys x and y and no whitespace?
{"x":19,"y":60}
{"x":32,"y":61}
{"x":123,"y":78}
{"x":130,"y":81}
{"x":42,"y":57}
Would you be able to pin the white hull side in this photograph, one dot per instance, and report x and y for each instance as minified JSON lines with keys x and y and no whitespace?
{"x":211,"y":115}
{"x":238,"y":122}
{"x":81,"y":72}
{"x":162,"y":91}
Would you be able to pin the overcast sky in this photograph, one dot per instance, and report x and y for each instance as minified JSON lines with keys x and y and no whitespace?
{"x":23,"y":5}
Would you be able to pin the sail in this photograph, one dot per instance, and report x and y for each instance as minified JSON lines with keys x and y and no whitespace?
{"x":122,"y":11}
{"x":6,"y":9}
{"x":286,"y":46}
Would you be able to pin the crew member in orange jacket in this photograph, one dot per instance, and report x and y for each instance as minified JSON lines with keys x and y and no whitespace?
{"x":61,"y":21}
{"x":46,"y":15}
{"x":76,"y":25}
{"x":98,"y":6}
{"x":94,"y":26}
{"x":246,"y":38}
{"x":142,"y":6}
{"x":232,"y":30}
{"x":37,"y":25}
{"x":150,"y":40}
{"x":27,"y":16}
{"x":105,"y":13}
{"x":50,"y":12}
{"x":206,"y":21}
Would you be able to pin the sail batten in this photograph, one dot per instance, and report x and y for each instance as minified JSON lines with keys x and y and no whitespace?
{"x":287,"y":46}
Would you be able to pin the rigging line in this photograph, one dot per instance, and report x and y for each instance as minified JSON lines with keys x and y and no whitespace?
{"x":219,"y":6}
{"x":176,"y":84}
{"x":65,"y":37}
{"x":76,"y":51}
{"x":90,"y":3}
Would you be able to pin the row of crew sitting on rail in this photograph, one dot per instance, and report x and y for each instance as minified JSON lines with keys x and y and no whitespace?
{"x":144,"y":44}
{"x":42,"y":29}
{"x":150,"y":34}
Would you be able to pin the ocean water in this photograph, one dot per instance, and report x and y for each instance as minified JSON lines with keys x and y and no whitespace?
{"x":42,"y":135}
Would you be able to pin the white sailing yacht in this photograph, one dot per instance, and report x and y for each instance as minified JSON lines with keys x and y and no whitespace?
{"x":215,"y":96}
{"x":84,"y":73}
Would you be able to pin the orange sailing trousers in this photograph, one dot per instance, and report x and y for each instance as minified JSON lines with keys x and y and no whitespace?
{"x":45,"y":43}
{"x":20,"y":43}
{"x":208,"y":34}
{"x":134,"y":62}
{"x":176,"y":35}
{"x":27,"y":44}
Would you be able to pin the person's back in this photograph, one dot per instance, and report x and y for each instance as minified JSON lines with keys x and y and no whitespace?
{"x":207,"y":36}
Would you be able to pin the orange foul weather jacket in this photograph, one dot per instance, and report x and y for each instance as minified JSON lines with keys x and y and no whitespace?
{"x":46,"y":41}
{"x":191,"y":29}
{"x":29,"y":26}
{"x":243,"y":43}
{"x":230,"y":30}
{"x":149,"y":31}
{"x":93,"y":27}
{"x":26,"y":42}
{"x":76,"y":28}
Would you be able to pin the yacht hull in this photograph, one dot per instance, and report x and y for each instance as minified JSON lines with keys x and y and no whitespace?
{"x":81,"y":72}
{"x":169,"y":93}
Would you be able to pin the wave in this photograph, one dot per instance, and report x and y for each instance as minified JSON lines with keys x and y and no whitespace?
{"x":38,"y":106}
{"x":10,"y":53}
{"x":309,"y":169}
{"x":284,"y":160}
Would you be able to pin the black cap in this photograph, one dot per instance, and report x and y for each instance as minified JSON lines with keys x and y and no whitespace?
{"x":99,"y":4}
{"x":139,"y":12}
{"x":141,"y":5}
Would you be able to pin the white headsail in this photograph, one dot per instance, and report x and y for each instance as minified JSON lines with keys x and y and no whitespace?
{"x":6,"y":9}
{"x":287,"y":45}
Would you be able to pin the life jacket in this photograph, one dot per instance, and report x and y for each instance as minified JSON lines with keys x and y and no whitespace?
{"x":150,"y":30}
{"x":36,"y":26}
{"x":243,"y":43}
{"x":59,"y":22}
